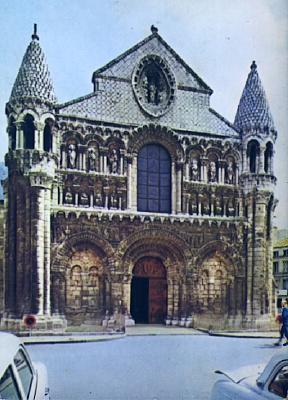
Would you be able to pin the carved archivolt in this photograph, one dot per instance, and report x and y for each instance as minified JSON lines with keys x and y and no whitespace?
{"x":170,"y":248}
{"x":156,"y":134}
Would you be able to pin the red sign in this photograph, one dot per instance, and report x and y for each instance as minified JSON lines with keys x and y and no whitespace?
{"x":30,"y":321}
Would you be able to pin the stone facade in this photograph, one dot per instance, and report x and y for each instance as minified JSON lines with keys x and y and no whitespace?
{"x":138,"y":199}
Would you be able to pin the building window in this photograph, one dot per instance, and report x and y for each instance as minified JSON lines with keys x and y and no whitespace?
{"x":275,"y":254}
{"x":154,"y":179}
{"x":48,"y":136}
{"x":29,"y":132}
{"x":285,"y":284}
{"x":253,"y":151}
{"x":268,"y":158}
{"x":275,"y":267}
{"x":285,"y":266}
{"x":285,"y":253}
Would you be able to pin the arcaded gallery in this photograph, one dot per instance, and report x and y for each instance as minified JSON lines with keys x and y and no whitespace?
{"x":138,"y":199}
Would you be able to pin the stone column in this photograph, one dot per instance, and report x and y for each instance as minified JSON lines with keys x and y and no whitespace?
{"x":261,"y":160}
{"x":212,"y":205}
{"x":61,"y":195}
{"x":79,"y":161}
{"x":19,"y":135}
{"x":134,"y":183}
{"x":222,"y":172}
{"x":179,"y":188}
{"x":105,"y":164}
{"x":40,"y":232}
{"x":237,"y":175}
{"x":76,"y":199}
{"x":64,"y":161}
{"x":47,"y":261}
{"x":129,"y":182}
{"x":204,"y":171}
{"x":122,"y":153}
{"x":174,"y":188}
{"x":187,"y":174}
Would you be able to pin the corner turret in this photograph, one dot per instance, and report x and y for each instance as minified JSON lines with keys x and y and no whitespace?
{"x":31,"y":107}
{"x":255,"y":123}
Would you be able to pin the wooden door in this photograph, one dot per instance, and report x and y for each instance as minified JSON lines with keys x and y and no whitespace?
{"x":154,"y":271}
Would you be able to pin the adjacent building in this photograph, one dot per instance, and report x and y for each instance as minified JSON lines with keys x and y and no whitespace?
{"x":280,"y":268}
{"x":137,"y":199}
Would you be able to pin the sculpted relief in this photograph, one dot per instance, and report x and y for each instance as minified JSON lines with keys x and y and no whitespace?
{"x":154,"y":85}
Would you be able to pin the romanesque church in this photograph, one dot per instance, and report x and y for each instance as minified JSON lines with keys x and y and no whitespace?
{"x":137,"y":199}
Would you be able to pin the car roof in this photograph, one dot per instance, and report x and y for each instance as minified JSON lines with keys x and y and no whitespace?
{"x":9,"y":345}
{"x":274,"y":361}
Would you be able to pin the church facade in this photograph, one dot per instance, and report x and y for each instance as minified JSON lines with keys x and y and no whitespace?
{"x":138,"y":199}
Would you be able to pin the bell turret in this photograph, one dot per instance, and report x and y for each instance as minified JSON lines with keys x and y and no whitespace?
{"x":255,"y":123}
{"x":32,"y":96}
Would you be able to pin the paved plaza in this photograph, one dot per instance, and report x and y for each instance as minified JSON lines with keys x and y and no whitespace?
{"x":150,"y":367}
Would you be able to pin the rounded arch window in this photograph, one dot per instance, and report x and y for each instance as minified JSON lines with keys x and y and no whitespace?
{"x":253,"y":154}
{"x":154,"y":179}
{"x":29,"y":132}
{"x":268,"y":157}
{"x":47,"y":135}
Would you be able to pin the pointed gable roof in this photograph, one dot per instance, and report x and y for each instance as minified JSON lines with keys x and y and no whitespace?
{"x":33,"y":79}
{"x":253,"y":109}
{"x":105,"y":70}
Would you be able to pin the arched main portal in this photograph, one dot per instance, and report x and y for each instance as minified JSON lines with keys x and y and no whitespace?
{"x":149,"y":291}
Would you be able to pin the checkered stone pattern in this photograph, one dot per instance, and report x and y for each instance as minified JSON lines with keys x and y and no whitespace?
{"x":33,"y":79}
{"x":115,"y":102}
{"x":253,"y":109}
{"x":125,"y":67}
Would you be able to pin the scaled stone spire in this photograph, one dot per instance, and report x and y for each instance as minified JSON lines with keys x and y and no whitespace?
{"x":33,"y":79}
{"x":253,"y":110}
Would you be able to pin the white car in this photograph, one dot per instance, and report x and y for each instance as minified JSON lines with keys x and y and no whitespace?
{"x":20,"y":379}
{"x":255,"y":382}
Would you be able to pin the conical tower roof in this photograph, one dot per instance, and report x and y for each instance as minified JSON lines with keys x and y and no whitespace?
{"x":33,"y":79}
{"x":253,"y":110}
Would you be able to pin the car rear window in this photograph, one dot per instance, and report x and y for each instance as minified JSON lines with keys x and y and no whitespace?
{"x":24,"y":370}
{"x":8,"y":386}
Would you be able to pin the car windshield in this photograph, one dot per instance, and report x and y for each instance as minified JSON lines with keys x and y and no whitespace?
{"x":8,"y":386}
{"x":24,"y":370}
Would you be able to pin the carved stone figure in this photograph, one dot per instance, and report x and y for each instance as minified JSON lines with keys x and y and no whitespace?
{"x":218,"y":207}
{"x":98,"y":200}
{"x":68,"y":198}
{"x":84,"y":201}
{"x":229,"y":172}
{"x":92,"y":159}
{"x":114,"y":161}
{"x":212,"y":172}
{"x":72,"y":155}
{"x":194,"y":170}
{"x":114,"y":202}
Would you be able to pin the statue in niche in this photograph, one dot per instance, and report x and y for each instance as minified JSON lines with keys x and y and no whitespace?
{"x":114,"y":161}
{"x":212,"y":172}
{"x":68,"y":197}
{"x":92,"y":159}
{"x":194,"y":170}
{"x":218,"y":207}
{"x":229,"y":172}
{"x":98,"y":200}
{"x":206,"y":208}
{"x":153,"y":85}
{"x":84,"y":201}
{"x":230,"y":209}
{"x":72,"y":156}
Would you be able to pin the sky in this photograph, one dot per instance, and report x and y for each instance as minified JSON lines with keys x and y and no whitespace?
{"x":218,"y":39}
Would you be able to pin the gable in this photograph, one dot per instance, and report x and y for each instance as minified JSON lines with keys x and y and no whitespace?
{"x":123,"y":66}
